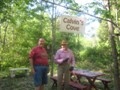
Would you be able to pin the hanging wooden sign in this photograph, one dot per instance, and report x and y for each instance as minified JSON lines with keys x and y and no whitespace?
{"x":72,"y":24}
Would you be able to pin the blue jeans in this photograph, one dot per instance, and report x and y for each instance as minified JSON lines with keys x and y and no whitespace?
{"x":40,"y":76}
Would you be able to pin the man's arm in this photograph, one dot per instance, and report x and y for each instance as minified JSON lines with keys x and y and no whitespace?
{"x":57,"y":58}
{"x":32,"y":66}
{"x":31,"y":55}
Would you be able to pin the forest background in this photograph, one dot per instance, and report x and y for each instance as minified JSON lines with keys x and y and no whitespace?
{"x":23,"y":22}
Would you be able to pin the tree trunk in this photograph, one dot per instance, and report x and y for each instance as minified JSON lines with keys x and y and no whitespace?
{"x":113,"y":46}
{"x":53,"y":38}
{"x":115,"y":57}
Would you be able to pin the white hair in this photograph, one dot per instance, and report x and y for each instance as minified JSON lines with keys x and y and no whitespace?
{"x":41,"y":39}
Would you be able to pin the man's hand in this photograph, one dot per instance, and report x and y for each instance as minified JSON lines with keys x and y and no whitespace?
{"x":65,"y":60}
{"x":71,"y":68}
{"x":32,"y":71}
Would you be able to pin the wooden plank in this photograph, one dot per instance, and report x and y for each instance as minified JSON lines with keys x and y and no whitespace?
{"x":105,"y":82}
{"x":78,"y":86}
{"x":104,"y":79}
{"x":71,"y":83}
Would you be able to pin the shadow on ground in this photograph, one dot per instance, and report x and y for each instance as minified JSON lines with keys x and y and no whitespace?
{"x":24,"y":83}
{"x":21,"y":83}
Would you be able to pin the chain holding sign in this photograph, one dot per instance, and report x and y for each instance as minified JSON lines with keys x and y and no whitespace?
{"x":72,"y":24}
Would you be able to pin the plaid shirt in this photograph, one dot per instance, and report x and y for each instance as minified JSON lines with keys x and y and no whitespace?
{"x":36,"y":56}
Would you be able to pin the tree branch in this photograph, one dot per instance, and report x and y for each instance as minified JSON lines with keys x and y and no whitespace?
{"x":84,"y":13}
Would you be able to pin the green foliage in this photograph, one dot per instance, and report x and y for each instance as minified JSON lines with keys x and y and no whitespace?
{"x":96,"y":56}
{"x":23,"y":22}
{"x":103,"y":34}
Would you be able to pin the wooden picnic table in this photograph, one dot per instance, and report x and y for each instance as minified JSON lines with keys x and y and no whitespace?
{"x":89,"y":75}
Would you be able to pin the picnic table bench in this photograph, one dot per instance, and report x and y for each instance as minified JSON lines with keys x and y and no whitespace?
{"x":13,"y":70}
{"x":73,"y":84}
{"x":89,"y":75}
{"x":92,"y":77}
{"x":78,"y":86}
{"x":105,"y":82}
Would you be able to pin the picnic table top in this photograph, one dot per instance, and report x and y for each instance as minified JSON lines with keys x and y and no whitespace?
{"x":87,"y":73}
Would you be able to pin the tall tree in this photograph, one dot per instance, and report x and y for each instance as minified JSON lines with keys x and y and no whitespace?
{"x":113,"y":45}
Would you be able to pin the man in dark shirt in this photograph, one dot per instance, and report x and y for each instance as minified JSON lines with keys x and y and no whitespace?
{"x":39,"y":65}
